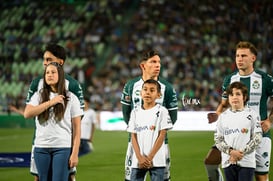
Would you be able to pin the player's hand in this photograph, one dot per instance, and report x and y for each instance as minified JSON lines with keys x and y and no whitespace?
{"x":212,"y":117}
{"x":266,"y":125}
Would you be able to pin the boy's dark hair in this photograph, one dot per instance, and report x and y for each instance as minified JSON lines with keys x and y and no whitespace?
{"x":240,"y":86}
{"x":148,"y":54}
{"x":57,"y":50}
{"x":248,"y":45}
{"x":152,"y":81}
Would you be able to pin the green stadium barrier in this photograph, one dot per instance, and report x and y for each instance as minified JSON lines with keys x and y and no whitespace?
{"x":15,"y":121}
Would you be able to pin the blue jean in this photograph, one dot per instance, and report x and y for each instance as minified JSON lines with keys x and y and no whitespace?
{"x":238,"y":173}
{"x":52,"y":163}
{"x":156,"y":174}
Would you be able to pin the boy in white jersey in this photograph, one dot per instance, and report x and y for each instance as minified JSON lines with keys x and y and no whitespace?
{"x":149,"y":124}
{"x":260,"y":86}
{"x":150,"y":65}
{"x":238,"y":135}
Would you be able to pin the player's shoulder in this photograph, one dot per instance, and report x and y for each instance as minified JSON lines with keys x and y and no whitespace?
{"x":35,"y":83}
{"x":164,"y":81}
{"x":132,"y":82}
{"x":71,"y":80}
{"x":263,"y":74}
{"x":36,"y":80}
{"x":229,"y":76}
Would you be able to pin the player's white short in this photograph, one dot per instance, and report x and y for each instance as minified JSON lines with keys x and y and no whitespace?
{"x":33,"y":168}
{"x":128,"y":162}
{"x":263,"y":153}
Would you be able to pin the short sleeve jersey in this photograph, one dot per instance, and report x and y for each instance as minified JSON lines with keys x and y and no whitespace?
{"x":88,"y":120}
{"x":147,"y":124}
{"x":260,"y":88}
{"x":131,"y":95}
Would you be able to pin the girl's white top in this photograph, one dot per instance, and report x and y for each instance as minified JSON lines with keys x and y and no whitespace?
{"x":53,"y":133}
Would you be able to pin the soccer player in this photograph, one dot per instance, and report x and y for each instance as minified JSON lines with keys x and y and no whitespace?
{"x":260,"y":86}
{"x":57,"y":115}
{"x":54,"y":53}
{"x":238,"y":135}
{"x":149,"y":124}
{"x":150,"y":65}
{"x":88,"y":125}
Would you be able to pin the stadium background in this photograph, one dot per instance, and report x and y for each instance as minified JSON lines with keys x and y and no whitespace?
{"x":103,"y":39}
{"x":196,"y":40}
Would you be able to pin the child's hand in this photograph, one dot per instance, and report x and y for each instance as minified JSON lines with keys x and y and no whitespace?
{"x":236,"y":155}
{"x":144,"y":163}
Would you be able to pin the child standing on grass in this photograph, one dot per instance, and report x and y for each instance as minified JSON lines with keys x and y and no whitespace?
{"x":238,"y":135}
{"x":57,"y":115}
{"x":148,"y":125}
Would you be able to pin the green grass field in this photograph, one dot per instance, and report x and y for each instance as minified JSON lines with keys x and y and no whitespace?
{"x":188,"y":150}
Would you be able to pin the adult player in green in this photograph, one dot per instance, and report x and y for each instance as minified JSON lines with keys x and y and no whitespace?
{"x":54,"y":53}
{"x":150,"y":65}
{"x":260,"y":86}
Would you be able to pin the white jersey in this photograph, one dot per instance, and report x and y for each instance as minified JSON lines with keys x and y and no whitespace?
{"x":89,"y":118}
{"x":147,"y":124}
{"x":52,"y":133}
{"x":236,"y":129}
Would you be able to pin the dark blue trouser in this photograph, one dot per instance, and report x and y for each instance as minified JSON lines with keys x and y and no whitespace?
{"x":238,"y":173}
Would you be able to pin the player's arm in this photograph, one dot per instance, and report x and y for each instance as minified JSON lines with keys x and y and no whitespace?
{"x":126,"y":103}
{"x":76,"y":135}
{"x":266,"y":124}
{"x":126,"y":111}
{"x":171,"y":103}
{"x":212,"y":117}
{"x":17,"y":110}
{"x":271,"y":112}
{"x":158,"y":143}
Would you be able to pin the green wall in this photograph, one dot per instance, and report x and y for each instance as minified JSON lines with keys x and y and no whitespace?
{"x":15,"y":121}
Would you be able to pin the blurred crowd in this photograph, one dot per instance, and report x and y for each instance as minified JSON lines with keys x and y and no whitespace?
{"x":196,"y":40}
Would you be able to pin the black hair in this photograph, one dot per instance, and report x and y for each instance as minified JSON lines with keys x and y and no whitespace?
{"x":57,"y":50}
{"x":152,"y":81}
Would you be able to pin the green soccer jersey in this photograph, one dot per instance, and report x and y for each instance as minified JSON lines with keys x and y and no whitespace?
{"x":131,"y":97}
{"x":260,"y":88}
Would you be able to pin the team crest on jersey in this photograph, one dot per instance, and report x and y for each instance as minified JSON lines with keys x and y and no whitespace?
{"x":137,"y":92}
{"x":256,"y":85}
{"x":244,"y":130}
{"x":127,"y":98}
